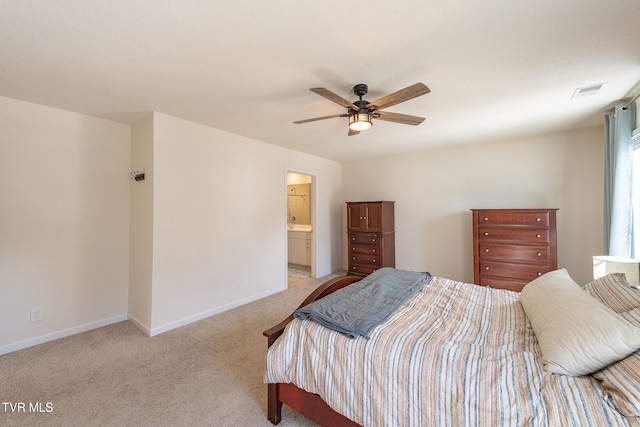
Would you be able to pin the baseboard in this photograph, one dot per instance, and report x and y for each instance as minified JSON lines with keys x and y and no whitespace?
{"x":209,"y":313}
{"x":10,"y":348}
{"x":21,"y":345}
{"x":144,"y":328}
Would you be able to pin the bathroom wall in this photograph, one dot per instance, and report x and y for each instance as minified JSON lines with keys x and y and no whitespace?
{"x":299,"y":208}
{"x":299,"y":203}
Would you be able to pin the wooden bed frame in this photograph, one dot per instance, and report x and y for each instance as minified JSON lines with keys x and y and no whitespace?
{"x":308,"y":404}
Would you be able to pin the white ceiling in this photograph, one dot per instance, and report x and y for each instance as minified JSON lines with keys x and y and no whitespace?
{"x":497,"y":69}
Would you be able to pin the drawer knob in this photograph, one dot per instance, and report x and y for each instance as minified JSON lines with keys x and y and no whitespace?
{"x":373,"y":240}
{"x":538,"y":236}
{"x":486,"y":233}
{"x":486,"y":268}
{"x":360,"y":217}
{"x":486,"y":250}
{"x":354,"y":258}
{"x":374,"y":251}
{"x":539,"y":253}
{"x":353,"y":249}
{"x":353,"y":238}
{"x":353,"y":268}
{"x":538,"y":219}
{"x":373,"y":261}
{"x":364,"y":217}
{"x":539,"y":274}
{"x":486,"y":218}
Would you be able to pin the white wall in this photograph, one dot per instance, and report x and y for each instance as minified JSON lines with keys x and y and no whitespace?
{"x":64,"y":222}
{"x":435,"y":190}
{"x":206,"y":229}
{"x":208,"y":224}
{"x":141,"y":225}
{"x":219,"y":219}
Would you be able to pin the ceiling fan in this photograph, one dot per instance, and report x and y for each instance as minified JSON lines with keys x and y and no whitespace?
{"x":361,"y":113}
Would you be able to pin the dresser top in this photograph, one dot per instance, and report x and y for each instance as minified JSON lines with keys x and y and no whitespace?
{"x":376,"y":201}
{"x":517,"y":209}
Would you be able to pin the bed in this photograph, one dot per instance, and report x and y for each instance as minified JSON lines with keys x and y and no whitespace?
{"x":457,"y":354}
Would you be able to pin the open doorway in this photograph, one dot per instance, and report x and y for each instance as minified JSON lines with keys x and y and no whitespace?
{"x":300,"y":226}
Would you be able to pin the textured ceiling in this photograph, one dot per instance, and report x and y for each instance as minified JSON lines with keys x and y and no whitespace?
{"x":497,"y":69}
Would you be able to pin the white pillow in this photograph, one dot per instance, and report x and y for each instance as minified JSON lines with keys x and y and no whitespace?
{"x":577,"y":333}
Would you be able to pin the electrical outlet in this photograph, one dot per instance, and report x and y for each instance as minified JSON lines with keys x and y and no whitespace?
{"x":36,"y":315}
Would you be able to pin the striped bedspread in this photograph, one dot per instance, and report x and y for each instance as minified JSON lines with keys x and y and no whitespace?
{"x":454,"y":354}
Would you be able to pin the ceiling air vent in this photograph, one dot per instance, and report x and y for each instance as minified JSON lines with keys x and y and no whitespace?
{"x":584,"y":92}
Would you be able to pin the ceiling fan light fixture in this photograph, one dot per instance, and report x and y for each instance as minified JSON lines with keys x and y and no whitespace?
{"x":361,"y":113}
{"x":360,"y":121}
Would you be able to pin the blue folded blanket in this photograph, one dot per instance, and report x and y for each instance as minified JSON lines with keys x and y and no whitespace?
{"x":357,"y":308}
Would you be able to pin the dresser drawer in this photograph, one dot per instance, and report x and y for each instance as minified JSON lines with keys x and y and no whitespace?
{"x":359,"y":248}
{"x":535,"y":254}
{"x":365,"y":259}
{"x":367,"y":238}
{"x":535,"y":219}
{"x":512,"y":234}
{"x":508,"y":284}
{"x":361,"y":270}
{"x":526,"y":272}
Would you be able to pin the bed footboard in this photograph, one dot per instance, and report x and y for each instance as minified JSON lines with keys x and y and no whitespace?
{"x":323,"y":290}
{"x":308,"y":404}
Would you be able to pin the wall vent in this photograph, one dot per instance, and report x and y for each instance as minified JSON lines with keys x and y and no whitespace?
{"x":584,"y":92}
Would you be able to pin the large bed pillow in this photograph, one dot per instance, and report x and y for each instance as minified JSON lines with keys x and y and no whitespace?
{"x":614,"y":291}
{"x":622,"y":379}
{"x":577,"y":333}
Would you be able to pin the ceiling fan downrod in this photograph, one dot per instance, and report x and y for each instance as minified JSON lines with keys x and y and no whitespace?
{"x":360,"y":90}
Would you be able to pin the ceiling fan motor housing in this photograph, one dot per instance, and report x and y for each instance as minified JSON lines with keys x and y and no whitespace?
{"x":360,"y":90}
{"x":362,"y":105}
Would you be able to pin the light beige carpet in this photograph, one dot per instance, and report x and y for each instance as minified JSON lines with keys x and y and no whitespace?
{"x":208,"y":373}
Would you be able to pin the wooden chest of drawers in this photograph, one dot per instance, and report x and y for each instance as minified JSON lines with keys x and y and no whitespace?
{"x":511,"y":247}
{"x":371,"y":236}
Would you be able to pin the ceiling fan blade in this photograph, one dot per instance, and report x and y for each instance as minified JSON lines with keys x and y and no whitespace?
{"x":398,"y":118}
{"x":402,"y":95}
{"x":320,"y":118}
{"x":353,"y":132}
{"x":333,"y":97}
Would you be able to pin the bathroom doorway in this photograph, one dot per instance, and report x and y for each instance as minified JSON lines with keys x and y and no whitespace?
{"x":300,"y":226}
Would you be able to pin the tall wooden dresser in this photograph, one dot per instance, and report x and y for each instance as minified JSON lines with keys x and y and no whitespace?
{"x":371,"y":236}
{"x":511,"y":247}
